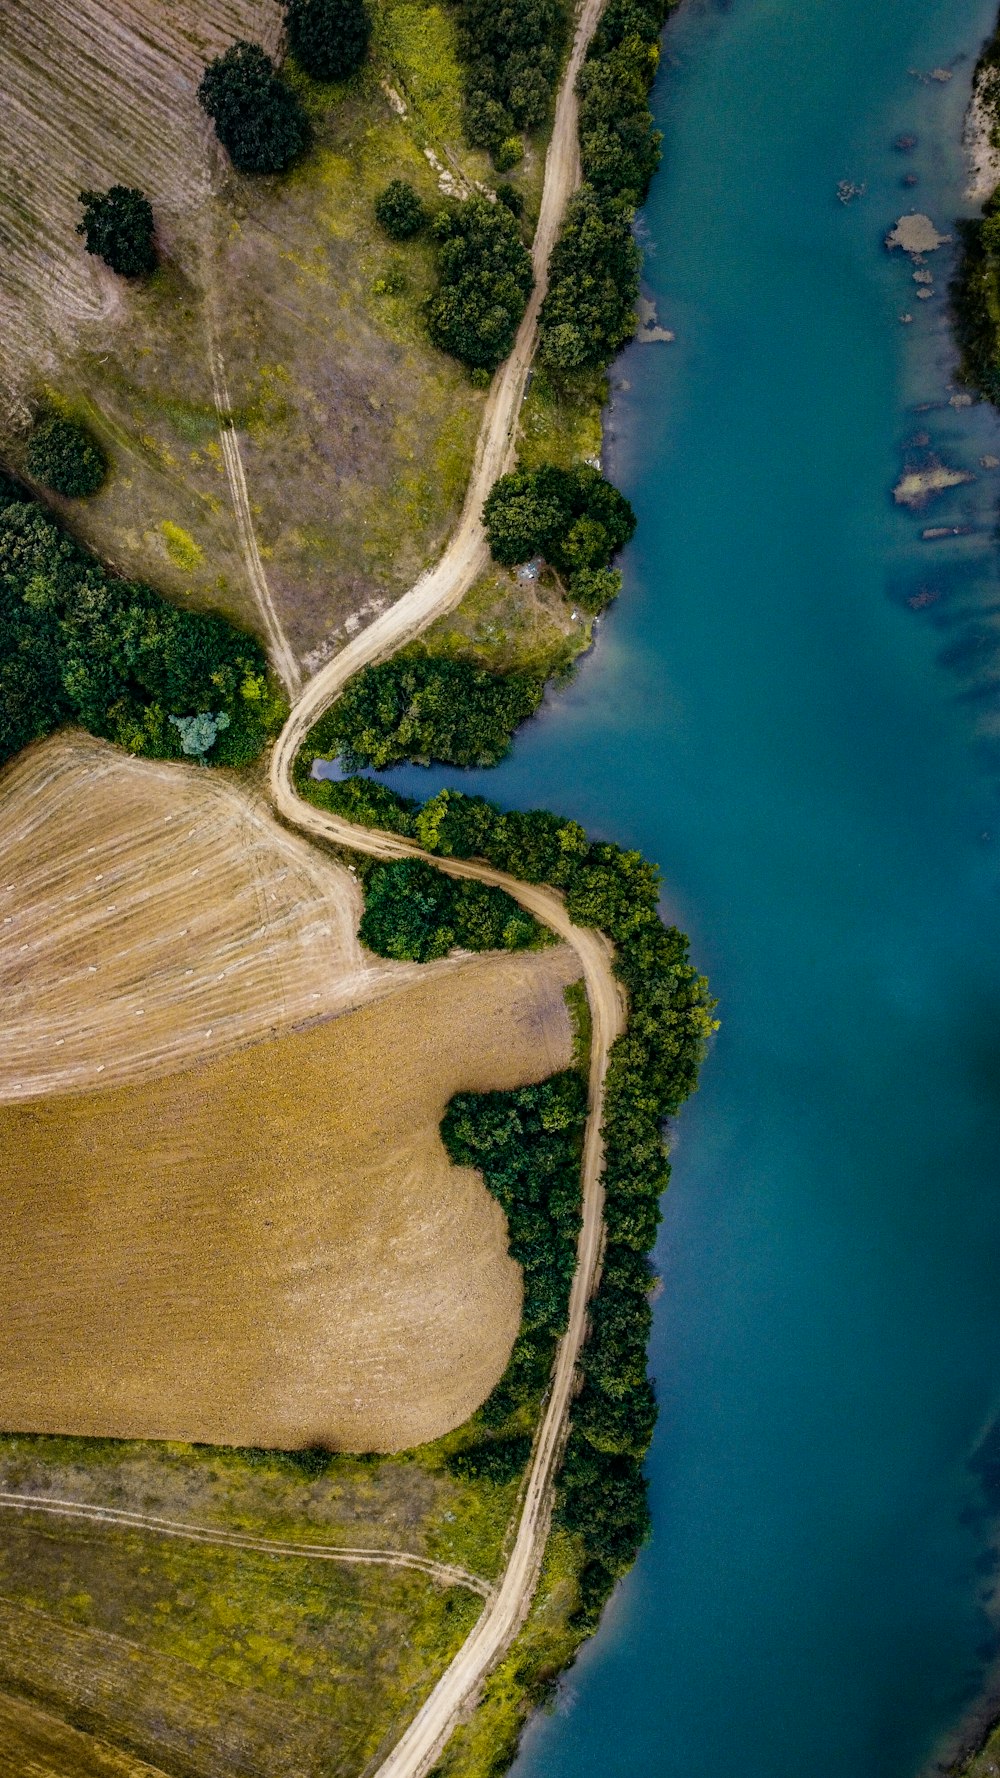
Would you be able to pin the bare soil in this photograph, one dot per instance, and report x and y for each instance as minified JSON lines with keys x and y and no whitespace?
{"x":272,"y":1248}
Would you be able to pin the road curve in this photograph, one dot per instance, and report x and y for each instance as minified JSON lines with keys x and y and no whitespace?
{"x":467,"y":554}
{"x":438,"y":591}
{"x":445,"y":1573}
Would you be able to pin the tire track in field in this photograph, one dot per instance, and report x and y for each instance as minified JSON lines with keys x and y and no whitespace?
{"x":445,"y":1573}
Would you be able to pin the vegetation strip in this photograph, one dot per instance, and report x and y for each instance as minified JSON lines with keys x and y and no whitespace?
{"x":602,"y":1469}
{"x":442,"y":1572}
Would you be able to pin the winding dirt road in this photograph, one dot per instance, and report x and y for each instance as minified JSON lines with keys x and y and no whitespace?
{"x":442,"y":1572}
{"x":438,"y":591}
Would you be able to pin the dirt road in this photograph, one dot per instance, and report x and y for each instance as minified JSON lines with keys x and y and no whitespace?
{"x":444,"y":585}
{"x":443,"y":1572}
{"x":437,"y":591}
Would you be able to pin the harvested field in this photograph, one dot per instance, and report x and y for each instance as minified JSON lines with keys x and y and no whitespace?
{"x":272,"y":1248}
{"x":154,"y":914}
{"x":34,"y":1744}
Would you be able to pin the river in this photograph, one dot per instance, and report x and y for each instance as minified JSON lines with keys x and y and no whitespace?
{"x":794,"y":709}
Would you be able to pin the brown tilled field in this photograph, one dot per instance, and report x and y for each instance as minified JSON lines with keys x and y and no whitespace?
{"x":272,"y":1248}
{"x":154,"y":914}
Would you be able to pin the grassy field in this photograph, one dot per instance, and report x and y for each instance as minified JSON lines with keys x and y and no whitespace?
{"x":122,"y":1646}
{"x":356,"y":434}
{"x":209,"y":1661}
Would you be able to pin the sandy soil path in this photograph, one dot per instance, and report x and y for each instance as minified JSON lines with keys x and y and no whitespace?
{"x":435,"y":592}
{"x":443,"y":1572}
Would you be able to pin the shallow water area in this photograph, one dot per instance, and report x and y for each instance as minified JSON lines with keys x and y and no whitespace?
{"x":794,"y":709}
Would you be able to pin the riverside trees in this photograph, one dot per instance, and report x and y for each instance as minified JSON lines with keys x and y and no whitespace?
{"x":426,"y":708}
{"x":575,"y":518}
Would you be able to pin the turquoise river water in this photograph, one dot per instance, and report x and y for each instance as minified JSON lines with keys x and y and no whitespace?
{"x":794,"y":709}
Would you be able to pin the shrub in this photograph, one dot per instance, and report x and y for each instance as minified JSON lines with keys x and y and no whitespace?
{"x":485,"y":280}
{"x":64,"y":456}
{"x":423,"y":709}
{"x":511,"y":198}
{"x":496,"y":1460}
{"x":328,"y":38}
{"x":118,"y":227}
{"x":400,"y":211}
{"x":414,"y":911}
{"x":589,"y":308}
{"x":575,"y":518}
{"x":508,"y":153}
{"x":257,"y":118}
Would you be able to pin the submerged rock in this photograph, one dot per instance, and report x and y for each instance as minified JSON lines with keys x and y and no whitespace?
{"x":915,"y":233}
{"x":916,"y":486}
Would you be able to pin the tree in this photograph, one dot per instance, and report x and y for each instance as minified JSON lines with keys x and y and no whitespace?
{"x":575,"y":518}
{"x":589,"y":309}
{"x":328,"y":38}
{"x":428,"y":708}
{"x":400,"y":211}
{"x":511,"y":50}
{"x":199,"y":733}
{"x":64,"y":456}
{"x":485,"y":280}
{"x":118,"y":227}
{"x":257,"y":118}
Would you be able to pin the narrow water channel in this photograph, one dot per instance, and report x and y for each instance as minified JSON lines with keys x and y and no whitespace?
{"x":794,"y":709}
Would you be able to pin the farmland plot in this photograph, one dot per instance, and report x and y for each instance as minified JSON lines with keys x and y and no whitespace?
{"x":96,"y":94}
{"x":154,"y":914}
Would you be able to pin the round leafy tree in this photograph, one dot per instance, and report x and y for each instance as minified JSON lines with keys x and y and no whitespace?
{"x":63,"y":456}
{"x":400,"y":211}
{"x":118,"y":227}
{"x":257,"y":118}
{"x":485,"y":281}
{"x":328,"y":38}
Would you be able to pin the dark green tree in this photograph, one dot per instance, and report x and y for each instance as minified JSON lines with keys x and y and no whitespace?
{"x":485,"y":280}
{"x":575,"y":518}
{"x":400,"y":211}
{"x":258,"y":119}
{"x":65,"y":457}
{"x":511,"y":52}
{"x":78,"y":644}
{"x":118,"y":227}
{"x":426,"y":708}
{"x":328,"y":38}
{"x":589,"y":309}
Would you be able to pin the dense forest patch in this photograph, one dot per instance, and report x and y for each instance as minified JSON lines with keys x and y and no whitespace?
{"x":79,"y":645}
{"x":424,"y":709}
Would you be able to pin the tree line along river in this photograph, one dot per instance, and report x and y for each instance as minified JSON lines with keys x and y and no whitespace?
{"x":793,"y":708}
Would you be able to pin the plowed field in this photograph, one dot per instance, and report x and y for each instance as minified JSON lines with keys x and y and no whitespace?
{"x":273,"y":1248}
{"x":154,"y":914}
{"x":94,"y":94}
